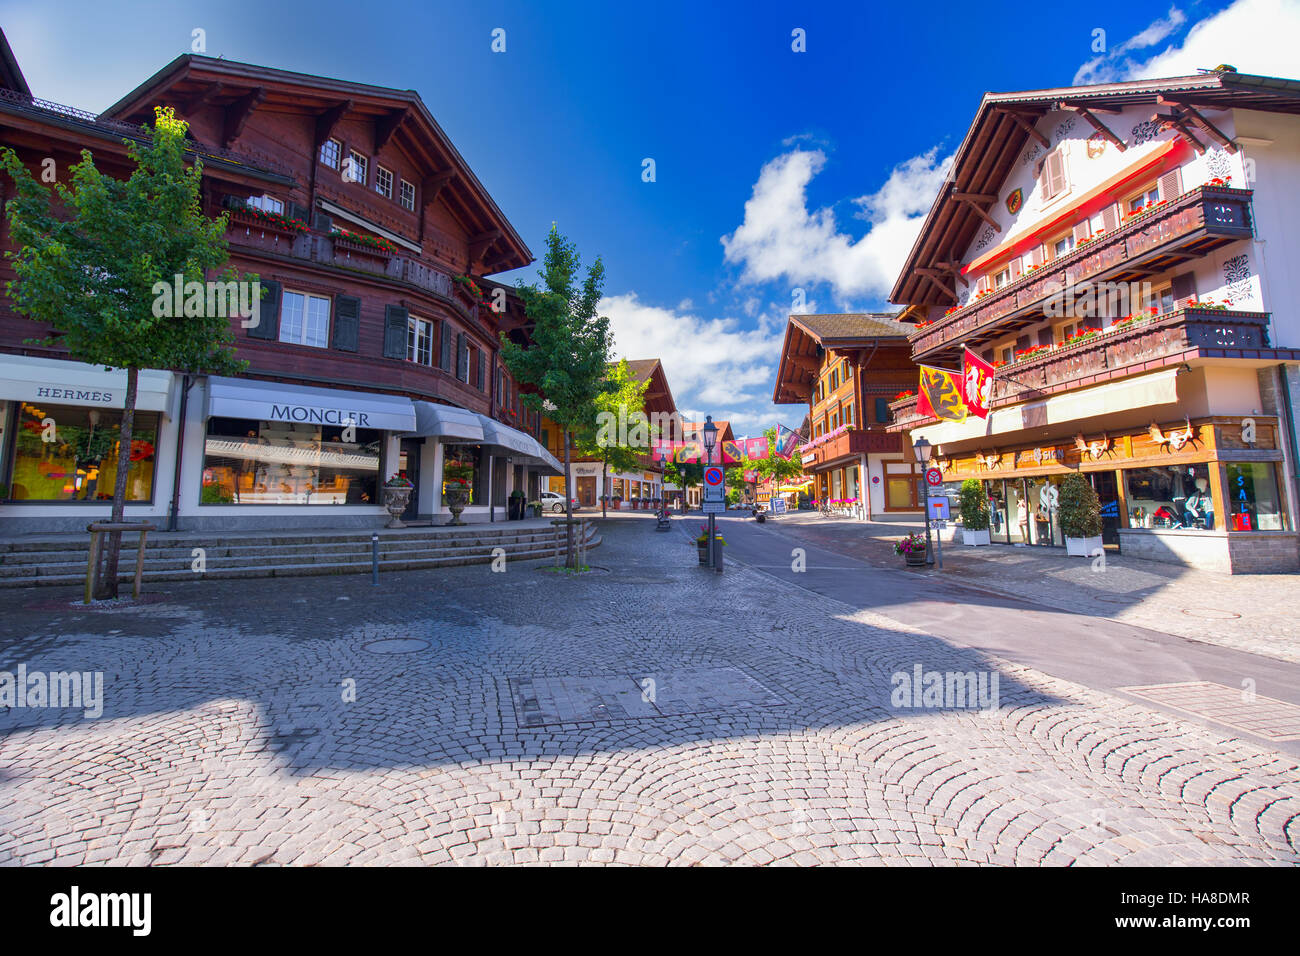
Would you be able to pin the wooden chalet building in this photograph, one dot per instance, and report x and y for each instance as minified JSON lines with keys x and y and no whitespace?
{"x":847,"y":369}
{"x":1125,"y":253}
{"x":374,"y":353}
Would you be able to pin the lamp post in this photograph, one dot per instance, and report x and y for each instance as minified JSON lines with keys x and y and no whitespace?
{"x":923,"y":449}
{"x":710,"y":431}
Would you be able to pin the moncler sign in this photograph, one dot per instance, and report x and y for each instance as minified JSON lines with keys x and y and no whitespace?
{"x":319,"y":416}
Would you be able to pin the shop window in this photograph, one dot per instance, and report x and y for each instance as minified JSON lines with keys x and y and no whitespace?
{"x":70,"y":452}
{"x":331,"y":152}
{"x":1173,"y":497}
{"x":465,"y":459}
{"x":289,"y":463}
{"x":1253,"y":502}
{"x":304,"y":319}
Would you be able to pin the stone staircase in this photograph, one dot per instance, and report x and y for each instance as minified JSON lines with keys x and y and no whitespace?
{"x":169,"y":556}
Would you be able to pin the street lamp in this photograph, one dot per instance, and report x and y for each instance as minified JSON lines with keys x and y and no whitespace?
{"x":710,"y":431}
{"x":922,"y":449}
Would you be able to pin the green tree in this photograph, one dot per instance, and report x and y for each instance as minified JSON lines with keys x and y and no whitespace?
{"x":615,"y":437}
{"x":1080,"y":508}
{"x":684,"y":476}
{"x":568,"y":359}
{"x":88,"y":258}
{"x":773,"y":465}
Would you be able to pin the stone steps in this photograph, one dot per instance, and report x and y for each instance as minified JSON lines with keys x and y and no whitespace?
{"x":52,"y":562}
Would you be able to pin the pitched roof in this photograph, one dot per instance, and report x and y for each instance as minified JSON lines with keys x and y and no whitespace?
{"x":11,"y":75}
{"x":1000,"y":131}
{"x":807,"y":337}
{"x":853,"y":326}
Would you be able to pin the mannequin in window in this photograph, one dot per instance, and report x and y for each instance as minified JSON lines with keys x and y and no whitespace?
{"x":1200,"y":507}
{"x":1022,"y":518}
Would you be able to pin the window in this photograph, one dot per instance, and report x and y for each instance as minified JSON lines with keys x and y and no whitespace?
{"x":1253,"y":502}
{"x":1062,"y":246}
{"x":266,"y":204}
{"x":419,"y":341}
{"x":848,"y":414}
{"x":844,"y":370}
{"x":1005,"y":355}
{"x":250,"y":462}
{"x":330,"y":152}
{"x":355,"y":169}
{"x":1170,"y":497}
{"x":305,"y":319}
{"x":81,"y":464}
{"x":1148,"y":197}
{"x":1067,"y":330}
{"x":384,"y":182}
{"x":1002,"y":278}
{"x":408,"y":195}
{"x":1054,"y":181}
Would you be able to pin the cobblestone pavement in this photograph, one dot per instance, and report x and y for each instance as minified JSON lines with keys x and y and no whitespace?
{"x":655,"y":714}
{"x":1248,"y":612}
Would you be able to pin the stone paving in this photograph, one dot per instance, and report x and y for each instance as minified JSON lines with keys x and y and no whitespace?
{"x":767,"y":735}
{"x":1249,"y":612}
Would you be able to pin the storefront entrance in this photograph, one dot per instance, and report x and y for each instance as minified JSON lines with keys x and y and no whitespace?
{"x":587,"y":491}
{"x":1107,"y":488}
{"x":408,"y":463}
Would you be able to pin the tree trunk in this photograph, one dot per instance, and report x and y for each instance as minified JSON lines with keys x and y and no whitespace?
{"x":570,"y":558}
{"x":106,"y":586}
{"x":604,"y":489}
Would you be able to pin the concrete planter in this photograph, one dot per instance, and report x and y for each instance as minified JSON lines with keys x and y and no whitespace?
{"x":974,"y":538}
{"x":395,"y":502}
{"x":1082,"y":547}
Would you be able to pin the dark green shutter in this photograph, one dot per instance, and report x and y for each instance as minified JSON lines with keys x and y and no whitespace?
{"x":395,"y":322}
{"x":347,"y":321}
{"x":268,"y":324}
{"x":482,"y":372}
{"x":444,"y":336}
{"x":462,"y":357}
{"x":300,"y":213}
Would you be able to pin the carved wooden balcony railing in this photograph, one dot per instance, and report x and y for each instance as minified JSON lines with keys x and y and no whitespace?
{"x":860,"y":441}
{"x":1115,"y":354}
{"x":1191,"y":225}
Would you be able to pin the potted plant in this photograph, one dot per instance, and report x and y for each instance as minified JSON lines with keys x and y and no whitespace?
{"x":702,"y":543}
{"x":515,"y":508}
{"x":912,"y":548}
{"x":397,"y":495}
{"x":617,"y":501}
{"x":974,"y":513}
{"x":457,"y":484}
{"x":1080,"y":514}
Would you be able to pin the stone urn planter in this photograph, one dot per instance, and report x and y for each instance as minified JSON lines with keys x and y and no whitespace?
{"x":457,"y":499}
{"x":396,"y":500}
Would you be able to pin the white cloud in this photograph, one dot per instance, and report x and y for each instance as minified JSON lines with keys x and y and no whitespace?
{"x":1255,"y":36}
{"x":780,"y":238}
{"x":713,"y":366}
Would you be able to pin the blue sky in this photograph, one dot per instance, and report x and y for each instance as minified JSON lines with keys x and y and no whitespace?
{"x":774,"y":169}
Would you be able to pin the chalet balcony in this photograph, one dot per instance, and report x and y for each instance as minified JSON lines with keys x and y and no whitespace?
{"x":251,"y":234}
{"x":1137,"y":346}
{"x":852,"y":443}
{"x":1190,"y":226}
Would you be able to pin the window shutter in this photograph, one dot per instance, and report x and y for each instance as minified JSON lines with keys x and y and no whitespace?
{"x":395,"y":322}
{"x":1022,"y":343}
{"x":1183,"y":286}
{"x":987,"y":355}
{"x":482,"y":371}
{"x":268,"y":313}
{"x":347,"y":321}
{"x":1045,"y":336}
{"x":296,"y":211}
{"x":882,"y":409}
{"x":1054,"y":171}
{"x":1171,"y":185}
{"x":462,"y":358}
{"x":321,"y":222}
{"x":1036,"y":256}
{"x":1082,"y":230}
{"x":444,"y":345}
{"x":1017,"y":267}
{"x":1110,"y":218}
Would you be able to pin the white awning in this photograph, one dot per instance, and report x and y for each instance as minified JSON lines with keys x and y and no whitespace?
{"x":446,"y":421}
{"x":26,"y":378}
{"x":519,"y":445}
{"x":272,"y":401}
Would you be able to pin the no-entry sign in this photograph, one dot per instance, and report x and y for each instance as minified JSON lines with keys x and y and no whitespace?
{"x":934,"y":477}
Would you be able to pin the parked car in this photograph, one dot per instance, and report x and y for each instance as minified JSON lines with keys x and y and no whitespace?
{"x":554,"y":501}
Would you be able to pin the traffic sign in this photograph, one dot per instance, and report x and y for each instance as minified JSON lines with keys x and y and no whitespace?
{"x":713,"y":475}
{"x":714,"y":492}
{"x":934,"y":477}
{"x":940,"y":508}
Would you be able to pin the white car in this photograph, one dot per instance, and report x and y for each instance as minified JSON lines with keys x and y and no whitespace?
{"x":554,"y":501}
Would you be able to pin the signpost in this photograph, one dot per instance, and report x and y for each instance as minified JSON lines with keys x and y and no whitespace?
{"x":934,"y":477}
{"x":939,"y":510}
{"x":714,"y":502}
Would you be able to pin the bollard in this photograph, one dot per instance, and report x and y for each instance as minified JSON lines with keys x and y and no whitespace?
{"x":374,"y":557}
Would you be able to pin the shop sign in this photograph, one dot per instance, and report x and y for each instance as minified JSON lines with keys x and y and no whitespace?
{"x":318,"y":416}
{"x":81,"y":396}
{"x":809,"y":458}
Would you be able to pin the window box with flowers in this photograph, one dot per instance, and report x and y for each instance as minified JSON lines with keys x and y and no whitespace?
{"x":261,"y":223}
{"x":357,"y":243}
{"x":474,"y":292}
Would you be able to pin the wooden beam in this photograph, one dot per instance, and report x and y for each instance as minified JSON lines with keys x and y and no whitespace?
{"x":238,"y":112}
{"x":1102,"y":128}
{"x":326,"y":121}
{"x":1091,"y":107}
{"x":803,"y":363}
{"x":1188,"y":111}
{"x":1178,"y":123}
{"x":479,"y":244}
{"x":942,"y":273}
{"x":974,"y":197}
{"x":191,"y":103}
{"x":434,"y":184}
{"x":938,"y":285}
{"x":1028,"y":127}
{"x":386,"y":126}
{"x":981,"y":213}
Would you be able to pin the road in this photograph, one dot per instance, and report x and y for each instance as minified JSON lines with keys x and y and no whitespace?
{"x":1094,"y":651}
